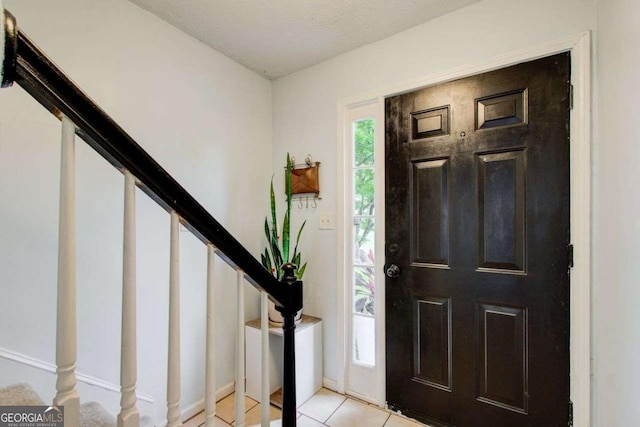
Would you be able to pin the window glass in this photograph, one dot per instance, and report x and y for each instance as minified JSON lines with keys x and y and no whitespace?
{"x":364,"y":280}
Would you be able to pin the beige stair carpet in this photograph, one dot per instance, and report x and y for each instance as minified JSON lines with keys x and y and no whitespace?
{"x":19,"y":394}
{"x":92,"y":414}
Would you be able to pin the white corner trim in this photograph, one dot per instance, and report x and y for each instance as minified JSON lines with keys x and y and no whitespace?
{"x":330,"y":384}
{"x":51,"y":368}
{"x":580,"y":279}
{"x":192,"y":410}
{"x":341,"y":351}
{"x":199,"y":406}
{"x":225,"y":391}
{"x":580,"y":158}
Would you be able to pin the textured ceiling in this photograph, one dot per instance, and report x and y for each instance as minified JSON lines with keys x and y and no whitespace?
{"x":278,"y":37}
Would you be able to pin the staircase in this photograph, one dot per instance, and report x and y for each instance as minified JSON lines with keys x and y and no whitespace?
{"x":23,"y":63}
{"x":91,"y":413}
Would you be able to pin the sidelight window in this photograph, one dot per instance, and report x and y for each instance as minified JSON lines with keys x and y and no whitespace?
{"x":363,"y":243}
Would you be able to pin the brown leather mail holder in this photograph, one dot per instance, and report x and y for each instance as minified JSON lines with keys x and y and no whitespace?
{"x":306,"y":180}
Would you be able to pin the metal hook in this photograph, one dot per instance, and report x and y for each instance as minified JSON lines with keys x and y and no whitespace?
{"x":307,"y":160}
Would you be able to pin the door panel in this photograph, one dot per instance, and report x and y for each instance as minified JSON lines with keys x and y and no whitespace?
{"x":501,"y":210}
{"x":502,"y":366}
{"x":430,"y":213}
{"x":477,"y":211}
{"x":432,"y":342}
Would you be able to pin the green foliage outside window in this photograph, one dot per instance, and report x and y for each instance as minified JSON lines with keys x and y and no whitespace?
{"x":364,"y":206}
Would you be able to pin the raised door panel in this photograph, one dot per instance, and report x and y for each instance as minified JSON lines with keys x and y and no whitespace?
{"x":501,"y":212}
{"x":503,"y":361}
{"x":432,"y":342}
{"x":430,"y":213}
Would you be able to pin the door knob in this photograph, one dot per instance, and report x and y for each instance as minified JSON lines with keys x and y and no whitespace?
{"x":393,"y":271}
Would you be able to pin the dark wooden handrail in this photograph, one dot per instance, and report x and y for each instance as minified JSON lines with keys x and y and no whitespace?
{"x":25,"y":64}
{"x":45,"y":82}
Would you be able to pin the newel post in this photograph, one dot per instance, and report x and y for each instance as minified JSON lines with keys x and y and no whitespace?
{"x":294,"y":303}
{"x":8,"y":47}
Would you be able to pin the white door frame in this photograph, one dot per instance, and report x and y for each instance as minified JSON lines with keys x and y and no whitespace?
{"x":580,"y":176}
{"x":374,"y":386}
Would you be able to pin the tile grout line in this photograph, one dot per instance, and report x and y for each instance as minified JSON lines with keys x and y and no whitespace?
{"x":387,"y":419}
{"x":335,"y":410}
{"x":324,"y":423}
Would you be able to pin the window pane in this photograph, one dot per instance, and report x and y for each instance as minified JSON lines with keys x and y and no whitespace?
{"x":364,"y":284}
{"x":364,"y":290}
{"x":364,"y":191}
{"x":364,"y":243}
{"x":363,"y":143}
{"x":364,"y":333}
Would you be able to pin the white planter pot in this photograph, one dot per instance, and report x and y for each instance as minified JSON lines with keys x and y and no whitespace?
{"x":276,"y":319}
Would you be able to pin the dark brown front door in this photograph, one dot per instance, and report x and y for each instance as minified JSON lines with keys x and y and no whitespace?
{"x":477,"y":234}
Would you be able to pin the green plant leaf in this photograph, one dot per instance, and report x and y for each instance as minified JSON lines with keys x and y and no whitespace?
{"x":296,"y":259}
{"x":274,"y":216}
{"x":301,"y":270}
{"x":286,"y":227}
{"x":266,"y":261}
{"x":273,"y":244}
{"x":295,"y":250}
{"x":287,"y":181}
{"x":277,"y":255}
{"x":267,"y":231}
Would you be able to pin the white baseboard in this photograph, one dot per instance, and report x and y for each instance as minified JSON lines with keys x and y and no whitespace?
{"x":51,"y":368}
{"x":330,"y":384}
{"x":192,"y":410}
{"x":225,"y":391}
{"x":198,"y":407}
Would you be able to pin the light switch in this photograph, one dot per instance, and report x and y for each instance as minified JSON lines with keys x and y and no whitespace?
{"x":326,"y":221}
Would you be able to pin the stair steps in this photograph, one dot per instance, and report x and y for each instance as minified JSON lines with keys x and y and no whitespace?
{"x":92,"y":414}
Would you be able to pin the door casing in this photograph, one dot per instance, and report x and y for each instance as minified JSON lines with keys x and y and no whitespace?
{"x":580,"y":176}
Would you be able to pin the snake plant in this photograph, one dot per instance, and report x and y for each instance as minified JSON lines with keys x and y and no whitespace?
{"x":278,"y":251}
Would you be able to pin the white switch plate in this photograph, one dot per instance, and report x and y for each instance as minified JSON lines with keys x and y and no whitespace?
{"x":326,"y":221}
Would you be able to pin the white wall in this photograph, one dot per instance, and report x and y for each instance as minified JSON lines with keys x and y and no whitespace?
{"x":146,"y":73}
{"x":201,"y":115}
{"x":304,"y":103}
{"x":616,"y":223}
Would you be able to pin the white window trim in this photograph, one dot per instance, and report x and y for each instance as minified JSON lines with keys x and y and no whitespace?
{"x":580,"y":158}
{"x":361,"y":111}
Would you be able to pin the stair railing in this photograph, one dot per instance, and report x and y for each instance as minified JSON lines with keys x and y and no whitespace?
{"x":24,"y":63}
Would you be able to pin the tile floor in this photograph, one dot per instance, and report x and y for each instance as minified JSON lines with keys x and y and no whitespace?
{"x":325,"y":408}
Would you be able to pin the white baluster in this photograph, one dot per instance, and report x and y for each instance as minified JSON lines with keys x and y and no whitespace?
{"x":129,"y":415}
{"x":67,"y":394}
{"x":240,"y":416}
{"x":265,"y":397}
{"x":210,"y":368}
{"x":173,"y":375}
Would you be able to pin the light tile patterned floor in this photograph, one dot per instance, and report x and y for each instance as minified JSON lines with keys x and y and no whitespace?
{"x":325,"y":408}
